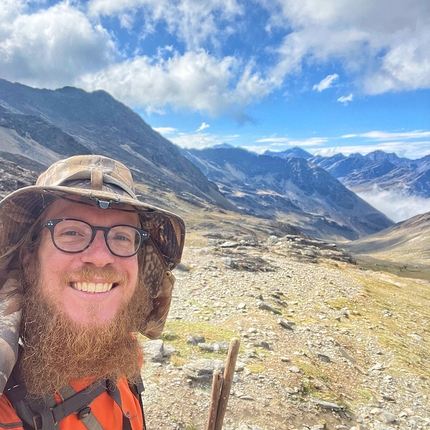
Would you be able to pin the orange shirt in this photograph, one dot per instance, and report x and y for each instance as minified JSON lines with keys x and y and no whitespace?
{"x":104,"y":408}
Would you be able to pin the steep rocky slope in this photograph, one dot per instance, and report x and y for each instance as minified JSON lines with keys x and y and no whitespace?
{"x":289,"y":189}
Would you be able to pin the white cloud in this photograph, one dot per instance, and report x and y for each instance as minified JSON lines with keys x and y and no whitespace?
{"x":402,"y":148}
{"x":346,"y":99}
{"x":196,"y":80}
{"x":193,"y":22}
{"x":165,"y":131}
{"x":410,"y":144}
{"x":52,"y":47}
{"x":203,"y":127}
{"x":273,"y":143}
{"x":396,"y":204}
{"x":256,"y":148}
{"x":406,"y":66}
{"x":200,"y":140}
{"x":383,"y":135}
{"x":288,"y":142}
{"x":326,"y":83}
{"x":384,"y":44}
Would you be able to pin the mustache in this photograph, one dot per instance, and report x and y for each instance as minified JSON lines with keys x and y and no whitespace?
{"x":88,"y":273}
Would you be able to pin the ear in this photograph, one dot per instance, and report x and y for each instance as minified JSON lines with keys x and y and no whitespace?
{"x":25,"y":254}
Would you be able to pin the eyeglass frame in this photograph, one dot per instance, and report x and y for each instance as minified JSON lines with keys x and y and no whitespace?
{"x":50,"y":225}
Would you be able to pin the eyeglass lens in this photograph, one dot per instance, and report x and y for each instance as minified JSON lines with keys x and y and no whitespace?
{"x":75,"y":236}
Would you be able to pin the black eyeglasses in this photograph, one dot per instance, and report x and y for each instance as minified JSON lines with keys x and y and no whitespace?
{"x":73,"y":235}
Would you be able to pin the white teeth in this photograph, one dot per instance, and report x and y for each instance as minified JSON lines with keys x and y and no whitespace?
{"x":92,"y":287}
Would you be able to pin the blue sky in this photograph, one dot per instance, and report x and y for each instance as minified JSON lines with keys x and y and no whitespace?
{"x":330,"y":76}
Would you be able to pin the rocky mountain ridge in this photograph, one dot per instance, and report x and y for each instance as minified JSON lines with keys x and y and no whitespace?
{"x":360,"y":173}
{"x":307,"y":195}
{"x":45,"y":125}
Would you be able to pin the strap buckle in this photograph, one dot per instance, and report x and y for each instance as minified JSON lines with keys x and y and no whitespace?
{"x":37,"y":419}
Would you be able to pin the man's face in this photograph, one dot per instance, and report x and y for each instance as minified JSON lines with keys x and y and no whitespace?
{"x":61,"y":272}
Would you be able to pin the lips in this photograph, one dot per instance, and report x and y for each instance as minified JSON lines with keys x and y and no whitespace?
{"x":92,"y":287}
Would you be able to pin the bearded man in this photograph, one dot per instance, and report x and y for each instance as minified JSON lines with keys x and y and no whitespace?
{"x":84,"y":267}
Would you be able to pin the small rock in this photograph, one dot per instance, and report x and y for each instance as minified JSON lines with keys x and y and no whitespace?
{"x":387,"y":417}
{"x":266,"y":307}
{"x":272,"y":240}
{"x":221,"y":346}
{"x":228,"y":262}
{"x":205,"y":347}
{"x":169,"y":350}
{"x":202,"y":369}
{"x":328,"y":405}
{"x":324,"y":358}
{"x":246,"y":398}
{"x":377,"y":367}
{"x":263,"y":344}
{"x":229,"y":245}
{"x":153,"y":350}
{"x":195,"y":339}
{"x":285,"y":324}
{"x":182,"y":267}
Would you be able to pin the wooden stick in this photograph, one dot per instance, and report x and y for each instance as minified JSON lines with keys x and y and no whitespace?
{"x":227,"y":382}
{"x":216,"y":393}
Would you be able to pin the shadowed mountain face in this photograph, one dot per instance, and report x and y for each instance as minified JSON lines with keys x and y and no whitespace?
{"x":43,"y":126}
{"x":305,"y":194}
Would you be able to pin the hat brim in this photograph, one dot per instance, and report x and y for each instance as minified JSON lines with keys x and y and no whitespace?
{"x":20,"y":209}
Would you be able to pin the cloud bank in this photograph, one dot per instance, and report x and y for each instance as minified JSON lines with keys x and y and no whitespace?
{"x":380,"y":46}
{"x":396,"y":205}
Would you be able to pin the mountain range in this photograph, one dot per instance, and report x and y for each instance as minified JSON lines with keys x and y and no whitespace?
{"x":361,"y":173}
{"x":39,"y":126}
{"x":289,"y":189}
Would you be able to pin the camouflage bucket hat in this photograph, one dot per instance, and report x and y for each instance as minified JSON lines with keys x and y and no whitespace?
{"x":102,"y":182}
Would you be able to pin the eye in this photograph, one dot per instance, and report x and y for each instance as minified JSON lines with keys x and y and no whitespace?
{"x":71,"y":230}
{"x":122,"y":238}
{"x":70,"y":233}
{"x":123,"y":234}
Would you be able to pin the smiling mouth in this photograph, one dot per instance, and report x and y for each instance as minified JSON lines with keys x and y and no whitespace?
{"x":93,"y":287}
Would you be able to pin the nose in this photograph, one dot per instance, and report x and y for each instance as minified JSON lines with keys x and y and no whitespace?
{"x":98,"y":253}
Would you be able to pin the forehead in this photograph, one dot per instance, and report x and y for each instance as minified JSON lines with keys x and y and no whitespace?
{"x":92,"y":214}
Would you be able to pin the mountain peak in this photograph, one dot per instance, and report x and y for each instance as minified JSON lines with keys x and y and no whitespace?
{"x":296,"y":152}
{"x":222,"y":146}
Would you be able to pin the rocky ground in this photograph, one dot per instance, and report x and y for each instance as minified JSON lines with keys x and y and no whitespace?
{"x":324,"y":344}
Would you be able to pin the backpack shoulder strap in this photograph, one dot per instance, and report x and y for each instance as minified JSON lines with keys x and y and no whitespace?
{"x":16,"y":392}
{"x":46,"y":413}
{"x":137,"y":389}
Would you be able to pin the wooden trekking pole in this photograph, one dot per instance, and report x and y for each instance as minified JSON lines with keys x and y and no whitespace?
{"x":221,"y":386}
{"x":216,"y":393}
